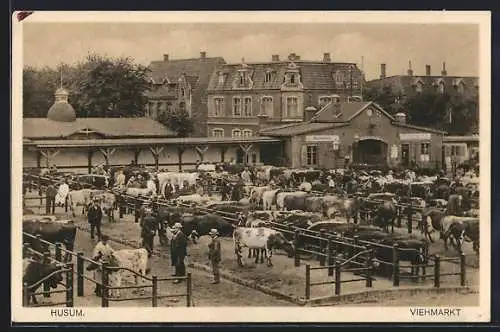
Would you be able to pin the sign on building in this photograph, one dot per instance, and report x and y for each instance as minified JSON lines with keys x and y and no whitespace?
{"x":415,"y":137}
{"x":322,"y":138}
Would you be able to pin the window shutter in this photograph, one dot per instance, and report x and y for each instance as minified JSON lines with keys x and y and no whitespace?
{"x":303,"y":155}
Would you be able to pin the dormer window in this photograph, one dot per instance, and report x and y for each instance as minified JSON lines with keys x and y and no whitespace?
{"x":221,"y":78}
{"x":339,"y":79}
{"x":441,"y":87}
{"x":242,"y":78}
{"x":292,"y":79}
{"x":419,"y":87}
{"x":324,"y":100}
{"x":268,"y":76}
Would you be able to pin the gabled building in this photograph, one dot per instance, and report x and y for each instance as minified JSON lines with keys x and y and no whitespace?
{"x":181,"y":84}
{"x":361,"y":134}
{"x":242,"y":96}
{"x":410,"y":84}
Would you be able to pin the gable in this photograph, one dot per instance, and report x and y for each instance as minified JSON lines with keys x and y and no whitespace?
{"x":373,"y":116}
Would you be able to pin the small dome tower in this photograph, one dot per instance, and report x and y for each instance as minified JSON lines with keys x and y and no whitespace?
{"x":61,"y":111}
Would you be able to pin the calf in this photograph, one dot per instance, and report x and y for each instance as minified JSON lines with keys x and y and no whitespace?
{"x":133,"y":259}
{"x":35,"y":271}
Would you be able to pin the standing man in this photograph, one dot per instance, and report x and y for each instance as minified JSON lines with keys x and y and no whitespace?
{"x":94,"y":216}
{"x":178,"y":251}
{"x":148,"y":232}
{"x":214,"y":254}
{"x":101,"y":250}
{"x":50,"y":199}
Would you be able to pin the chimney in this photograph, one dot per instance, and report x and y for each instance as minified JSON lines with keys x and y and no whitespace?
{"x":443,"y":72}
{"x":165,"y":57}
{"x":427,"y":70}
{"x":400,"y":118}
{"x":309,"y":113}
{"x":410,"y":71}
{"x":275,"y":57}
{"x":326,"y":57}
{"x":382,"y":70}
{"x":297,"y":57}
{"x":292,"y":56}
{"x":203,"y":55}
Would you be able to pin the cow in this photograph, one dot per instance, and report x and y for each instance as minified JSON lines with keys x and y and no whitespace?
{"x":411,"y":250}
{"x":256,"y":194}
{"x":260,"y":238}
{"x":196,"y":226}
{"x":119,"y":260}
{"x":314,"y":204}
{"x":108,"y":204}
{"x":269,"y":198}
{"x":346,"y":207}
{"x":472,"y":234}
{"x":136,"y":192}
{"x":385,"y":215}
{"x":280,"y":198}
{"x":81,"y":198}
{"x":35,"y":271}
{"x":292,"y":202}
{"x":51,"y":230}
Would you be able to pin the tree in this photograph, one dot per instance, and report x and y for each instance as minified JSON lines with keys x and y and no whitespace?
{"x":98,"y":87}
{"x":179,"y":121}
{"x":389,"y":100}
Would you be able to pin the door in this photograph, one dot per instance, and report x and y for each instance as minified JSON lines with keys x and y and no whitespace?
{"x":405,"y":155}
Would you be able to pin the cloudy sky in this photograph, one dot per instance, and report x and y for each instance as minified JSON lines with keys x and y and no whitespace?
{"x":47,"y":44}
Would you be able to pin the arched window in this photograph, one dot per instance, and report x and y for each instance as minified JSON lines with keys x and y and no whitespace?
{"x":292,"y":79}
{"x":440,"y":87}
{"x":236,"y":133}
{"x":247,"y":133}
{"x":218,"y":132}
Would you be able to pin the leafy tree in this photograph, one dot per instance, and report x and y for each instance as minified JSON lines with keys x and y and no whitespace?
{"x":385,"y":97}
{"x":179,"y":121}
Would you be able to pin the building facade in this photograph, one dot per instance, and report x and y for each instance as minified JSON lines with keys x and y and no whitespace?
{"x":241,"y":97}
{"x":181,"y":84}
{"x":361,"y":133}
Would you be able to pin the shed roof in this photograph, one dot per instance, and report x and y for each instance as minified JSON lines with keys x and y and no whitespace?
{"x":108,"y":127}
{"x":298,"y":129}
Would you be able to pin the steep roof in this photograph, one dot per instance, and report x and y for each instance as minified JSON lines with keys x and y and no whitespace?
{"x":402,"y":82}
{"x":108,"y":127}
{"x":298,"y":129}
{"x":174,"y":69}
{"x":314,"y":74}
{"x":347,"y":111}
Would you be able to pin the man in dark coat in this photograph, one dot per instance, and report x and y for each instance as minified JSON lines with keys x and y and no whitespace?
{"x":94,"y":216}
{"x":148,"y":232}
{"x":214,"y":254}
{"x":50,"y":199}
{"x":178,"y":252}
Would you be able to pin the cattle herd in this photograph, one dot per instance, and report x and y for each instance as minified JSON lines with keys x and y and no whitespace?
{"x":254,"y":205}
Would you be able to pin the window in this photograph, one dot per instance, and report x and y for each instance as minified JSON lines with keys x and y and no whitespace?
{"x":456,"y":150}
{"x":268,"y":77}
{"x":247,"y":133}
{"x":440,"y":87}
{"x":324,"y":100}
{"x":461,"y":87}
{"x":292,"y":106}
{"x":218,"y":132}
{"x":339,"y":79}
{"x":221,"y":78}
{"x":236,"y":133}
{"x":218,"y":106}
{"x":311,"y":155}
{"x":183,"y":92}
{"x":424,"y":152}
{"x":267,"y":106}
{"x":236,"y":106}
{"x":182,"y":106}
{"x":247,"y":106}
{"x":292,"y":79}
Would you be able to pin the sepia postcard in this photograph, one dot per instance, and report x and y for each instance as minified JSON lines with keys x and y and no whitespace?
{"x":251,"y":166}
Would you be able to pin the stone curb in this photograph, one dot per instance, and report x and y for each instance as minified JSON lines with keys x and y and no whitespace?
{"x":329,"y":300}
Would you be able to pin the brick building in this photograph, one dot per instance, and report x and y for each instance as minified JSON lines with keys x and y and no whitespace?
{"x":364,"y":132}
{"x":243,"y":96}
{"x":181,"y":84}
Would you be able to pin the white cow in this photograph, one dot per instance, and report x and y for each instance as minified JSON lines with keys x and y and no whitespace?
{"x":260,"y":239}
{"x":138,"y":192}
{"x":268,"y":198}
{"x":81,"y":198}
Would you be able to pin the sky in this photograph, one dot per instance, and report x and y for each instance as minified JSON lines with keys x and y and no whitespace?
{"x":48,"y":44}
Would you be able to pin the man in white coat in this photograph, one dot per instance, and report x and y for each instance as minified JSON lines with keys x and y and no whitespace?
{"x":62,"y":194}
{"x":102,"y":249}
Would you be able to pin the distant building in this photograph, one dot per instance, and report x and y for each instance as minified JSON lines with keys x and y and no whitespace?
{"x":181,"y":84}
{"x":244,"y":97}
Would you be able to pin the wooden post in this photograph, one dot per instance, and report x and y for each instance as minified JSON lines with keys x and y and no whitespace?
{"x":337,"y":277}
{"x":58,"y":254}
{"x":154,"y":295}
{"x":136,"y":155}
{"x":308,"y":281}
{"x":180,"y":151}
{"x":322,"y":257}
{"x":462,"y":269}
{"x":46,"y":286}
{"x":330,"y":256}
{"x":437,"y":271}
{"x":89,"y":160}
{"x":189,"y":292}
{"x":296,"y":251}
{"x":246,"y":148}
{"x":356,"y":243}
{"x":201,"y":151}
{"x":69,"y":285}
{"x":400,"y":215}
{"x":79,"y":274}
{"x":107,"y":152}
{"x":223,"y":150}
{"x":156,"y":151}
{"x":369,"y":267}
{"x":26,"y":297}
{"x":395,"y":265}
{"x":104,"y":286}
{"x":410,"y":218}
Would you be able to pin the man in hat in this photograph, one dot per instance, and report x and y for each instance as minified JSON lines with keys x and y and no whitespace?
{"x":178,"y":251}
{"x":94,"y":216}
{"x":214,"y":254}
{"x":148,"y":231}
{"x":102,"y":249}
